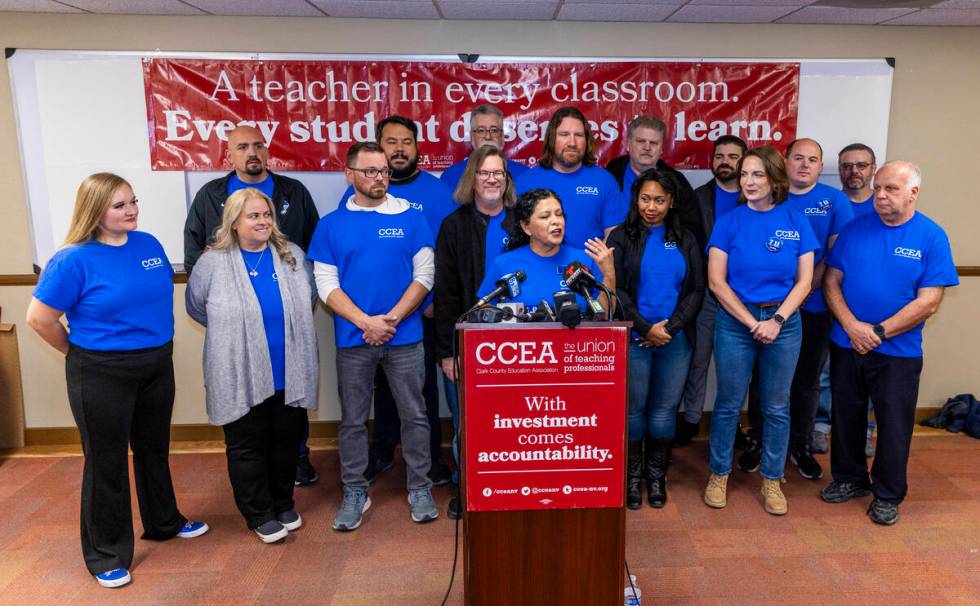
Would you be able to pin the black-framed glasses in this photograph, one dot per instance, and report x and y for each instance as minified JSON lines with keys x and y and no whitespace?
{"x":372,"y":173}
{"x":484,"y":175}
{"x":862,"y":166}
{"x":483,"y":131}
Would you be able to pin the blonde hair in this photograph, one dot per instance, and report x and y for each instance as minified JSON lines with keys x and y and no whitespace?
{"x":91,"y":202}
{"x":226,"y":237}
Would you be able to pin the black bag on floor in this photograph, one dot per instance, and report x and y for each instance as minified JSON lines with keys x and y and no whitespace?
{"x":958,"y":414}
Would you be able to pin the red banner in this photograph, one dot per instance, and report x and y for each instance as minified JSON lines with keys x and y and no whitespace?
{"x":310,"y":112}
{"x":545,"y":417}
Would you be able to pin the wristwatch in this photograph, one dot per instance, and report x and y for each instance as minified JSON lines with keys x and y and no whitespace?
{"x":778,"y":319}
{"x":879,"y":330}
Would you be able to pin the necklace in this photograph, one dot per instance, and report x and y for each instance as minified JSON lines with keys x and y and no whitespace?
{"x":253,"y":269}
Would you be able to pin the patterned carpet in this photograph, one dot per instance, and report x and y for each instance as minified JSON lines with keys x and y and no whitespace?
{"x":685,"y":553}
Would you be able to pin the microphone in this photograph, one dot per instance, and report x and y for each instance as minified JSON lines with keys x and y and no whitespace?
{"x":580,"y":280}
{"x":508,"y":286}
{"x":544,"y":313}
{"x":567,"y":308}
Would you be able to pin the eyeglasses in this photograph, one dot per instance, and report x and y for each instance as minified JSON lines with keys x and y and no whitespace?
{"x":484,"y":175}
{"x":862,"y":166}
{"x":483,"y":131}
{"x":372,"y":173}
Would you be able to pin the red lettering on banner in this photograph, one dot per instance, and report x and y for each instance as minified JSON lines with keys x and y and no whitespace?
{"x":309,"y":112}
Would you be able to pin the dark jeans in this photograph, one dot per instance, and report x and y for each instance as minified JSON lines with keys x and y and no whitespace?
{"x":262,"y":452}
{"x":697,"y":374}
{"x":123,"y":399}
{"x":387,"y":426}
{"x":892,"y":383}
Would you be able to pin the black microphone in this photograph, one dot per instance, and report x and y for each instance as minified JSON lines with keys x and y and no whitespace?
{"x":567,"y":308}
{"x":544,"y":313}
{"x":579,"y":279}
{"x":508,"y":286}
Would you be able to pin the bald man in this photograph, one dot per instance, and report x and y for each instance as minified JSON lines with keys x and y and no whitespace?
{"x":295,"y":212}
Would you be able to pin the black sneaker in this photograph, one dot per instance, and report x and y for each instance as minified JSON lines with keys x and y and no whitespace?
{"x":883,"y":513}
{"x":455,"y":509}
{"x":271,"y":531}
{"x":806,"y":464}
{"x":376,"y":467}
{"x":742,"y":439}
{"x":841,"y":492}
{"x":751,"y":457}
{"x":686,"y":431}
{"x":440,"y":474}
{"x":305,"y":472}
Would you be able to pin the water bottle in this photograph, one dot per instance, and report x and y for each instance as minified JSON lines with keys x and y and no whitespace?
{"x":632,"y":596}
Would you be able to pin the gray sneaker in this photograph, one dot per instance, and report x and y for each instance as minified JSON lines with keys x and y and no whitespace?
{"x":818,"y":443}
{"x":422,"y":506}
{"x":356,"y":502}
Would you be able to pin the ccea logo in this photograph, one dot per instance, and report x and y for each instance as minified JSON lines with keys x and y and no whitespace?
{"x":153,"y":263}
{"x":787,"y":234}
{"x":908,"y":253}
{"x":415,"y":205}
{"x":391,"y":232}
{"x":589,"y":190}
{"x":670,"y":245}
{"x":275,"y":277}
{"x":514,"y":352}
{"x":820,"y":208}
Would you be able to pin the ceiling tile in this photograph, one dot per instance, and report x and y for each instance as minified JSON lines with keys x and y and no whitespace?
{"x":498,"y":10}
{"x":36,"y":6}
{"x":284,"y":8}
{"x":644,"y":2}
{"x":136,"y":7}
{"x":615,"y":12}
{"x":730,"y":14}
{"x":844,"y":16}
{"x":957,"y":4}
{"x":939,"y":16}
{"x":379,"y":9}
{"x":796,"y":3}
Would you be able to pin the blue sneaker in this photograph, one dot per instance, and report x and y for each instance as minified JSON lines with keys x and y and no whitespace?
{"x":192,"y":529}
{"x":117,"y":577}
{"x":356,"y":502}
{"x":422,"y":506}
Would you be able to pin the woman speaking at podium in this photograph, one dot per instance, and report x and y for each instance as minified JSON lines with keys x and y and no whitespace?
{"x":536,"y":248}
{"x":659,"y":272}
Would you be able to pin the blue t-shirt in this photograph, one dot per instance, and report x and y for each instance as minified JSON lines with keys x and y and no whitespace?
{"x":116,"y":298}
{"x":266,"y":286}
{"x":884,"y":267}
{"x":828,"y":211}
{"x":590,"y":197}
{"x":544,"y":274}
{"x":662,"y":273}
{"x":859,"y":209}
{"x":373,"y":254}
{"x":454,"y":173}
{"x":266,"y":186}
{"x":496,"y":240}
{"x":762,"y":247}
{"x":724,"y":200}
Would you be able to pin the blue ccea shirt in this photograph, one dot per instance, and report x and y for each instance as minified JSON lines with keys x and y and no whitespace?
{"x":544,"y":274}
{"x":859,"y":209}
{"x":884,"y":267}
{"x":724,"y":200}
{"x":454,"y":173}
{"x":662,"y":273}
{"x":762,"y":248}
{"x":266,"y":186}
{"x":590,"y":197}
{"x":116,"y":298}
{"x":828,"y":211}
{"x":266,"y":286}
{"x":496,"y":240}
{"x":373,"y":254}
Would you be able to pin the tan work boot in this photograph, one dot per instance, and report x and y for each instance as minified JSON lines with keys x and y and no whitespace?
{"x":715,"y":493}
{"x":775,"y":500}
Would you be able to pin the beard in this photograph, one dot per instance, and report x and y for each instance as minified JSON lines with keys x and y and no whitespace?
{"x":404,"y":173}
{"x":723,"y":176}
{"x":856,"y":183}
{"x":569,"y":158}
{"x":373,"y":191}
{"x":254,"y":167}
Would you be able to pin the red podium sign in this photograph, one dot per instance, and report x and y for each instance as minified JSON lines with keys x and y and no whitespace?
{"x":545,"y":421}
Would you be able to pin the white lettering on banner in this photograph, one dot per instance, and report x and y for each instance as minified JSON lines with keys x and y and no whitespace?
{"x":153,"y":263}
{"x":178,"y":125}
{"x":788,"y":234}
{"x":908,"y":253}
{"x":391,"y":232}
{"x":512,"y":352}
{"x":491,"y":92}
{"x":330,"y":90}
{"x":302,"y":131}
{"x":699,"y":130}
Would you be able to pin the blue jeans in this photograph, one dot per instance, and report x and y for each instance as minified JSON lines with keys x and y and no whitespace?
{"x":452,"y":401}
{"x":657,"y":377}
{"x":735,"y":354}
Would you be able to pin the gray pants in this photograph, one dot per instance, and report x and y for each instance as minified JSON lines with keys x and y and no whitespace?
{"x":404,"y":367}
{"x":697,"y":374}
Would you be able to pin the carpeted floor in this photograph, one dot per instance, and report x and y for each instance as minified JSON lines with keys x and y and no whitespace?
{"x":685,"y":553}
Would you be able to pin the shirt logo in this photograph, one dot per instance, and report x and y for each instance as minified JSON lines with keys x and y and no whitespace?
{"x":787,"y":234}
{"x":391,"y":232}
{"x":908,"y":253}
{"x":275,"y":277}
{"x":415,"y":205}
{"x":774,"y":244}
{"x":670,"y":245}
{"x":821,"y":208}
{"x":285,"y":207}
{"x":153,"y":263}
{"x":590,"y":190}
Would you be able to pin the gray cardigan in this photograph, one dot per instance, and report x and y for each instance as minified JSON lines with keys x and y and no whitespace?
{"x":237,"y":367}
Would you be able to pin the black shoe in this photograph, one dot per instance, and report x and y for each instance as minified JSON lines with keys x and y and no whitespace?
{"x":883,"y":513}
{"x":455,"y":509}
{"x":305,"y":472}
{"x":741,"y":439}
{"x":657,"y":461}
{"x":440,"y":474}
{"x":751,"y":457}
{"x":686,"y":431}
{"x":376,"y":467}
{"x":806,"y":464}
{"x":841,"y":492}
{"x":634,"y":474}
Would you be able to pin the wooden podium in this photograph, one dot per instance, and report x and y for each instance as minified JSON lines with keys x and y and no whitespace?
{"x":543,"y":454}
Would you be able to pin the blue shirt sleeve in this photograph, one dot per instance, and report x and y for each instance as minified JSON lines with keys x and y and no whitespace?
{"x":615,"y":204}
{"x":320,"y":244}
{"x":842,"y":214}
{"x":488,"y":280}
{"x":808,"y":239}
{"x":940,"y":269}
{"x":836,"y":254}
{"x":721,"y":237}
{"x":423,"y":235}
{"x":60,"y":285}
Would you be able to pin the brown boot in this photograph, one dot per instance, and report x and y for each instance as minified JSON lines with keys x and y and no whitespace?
{"x":775,"y":500}
{"x":715,"y":494}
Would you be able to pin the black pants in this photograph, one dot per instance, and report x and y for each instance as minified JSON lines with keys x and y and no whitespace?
{"x":893,"y":385}
{"x":123,"y":399}
{"x":387,"y":427}
{"x":262,"y":449}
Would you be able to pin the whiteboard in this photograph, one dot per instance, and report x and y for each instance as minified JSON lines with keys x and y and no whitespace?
{"x":81,"y":112}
